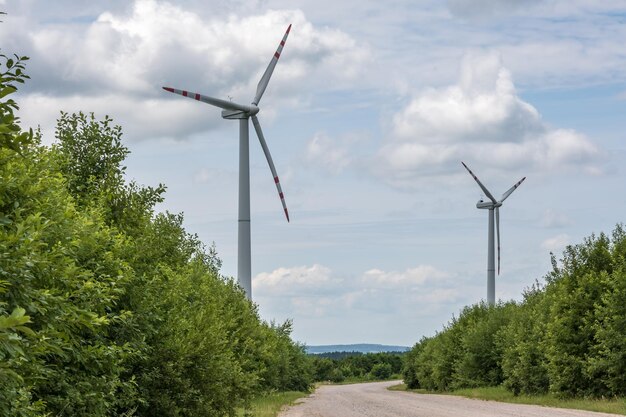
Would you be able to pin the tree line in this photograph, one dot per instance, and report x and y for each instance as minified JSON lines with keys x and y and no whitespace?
{"x":108,"y":308}
{"x":351,"y":366}
{"x":567,"y":336}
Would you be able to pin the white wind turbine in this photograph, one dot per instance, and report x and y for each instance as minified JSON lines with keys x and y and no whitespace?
{"x":241,"y":112}
{"x":491,"y":206}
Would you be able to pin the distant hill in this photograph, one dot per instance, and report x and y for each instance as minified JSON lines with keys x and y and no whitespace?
{"x":359,"y":347}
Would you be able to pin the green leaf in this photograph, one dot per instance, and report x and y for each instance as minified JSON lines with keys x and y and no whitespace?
{"x":17,"y":318}
{"x":7,"y":90}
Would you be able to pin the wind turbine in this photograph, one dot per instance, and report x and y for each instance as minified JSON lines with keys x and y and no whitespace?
{"x":492,"y":206}
{"x":241,"y":112}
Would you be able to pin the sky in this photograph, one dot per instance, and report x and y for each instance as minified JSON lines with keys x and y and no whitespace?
{"x":368,"y":115}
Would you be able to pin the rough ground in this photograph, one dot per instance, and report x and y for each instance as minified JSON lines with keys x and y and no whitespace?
{"x":374,"y":400}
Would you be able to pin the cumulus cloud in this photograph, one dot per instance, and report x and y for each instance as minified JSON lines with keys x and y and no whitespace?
{"x":127,"y":55}
{"x":301,"y":280}
{"x":483,"y":106}
{"x":556,"y":243}
{"x":319,"y":291}
{"x":330,"y":154}
{"x":148,"y":118}
{"x":410,"y":278}
{"x":480,"y":119}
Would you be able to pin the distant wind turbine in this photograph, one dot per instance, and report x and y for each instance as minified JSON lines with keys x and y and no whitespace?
{"x":241,"y":112}
{"x":491,"y":206}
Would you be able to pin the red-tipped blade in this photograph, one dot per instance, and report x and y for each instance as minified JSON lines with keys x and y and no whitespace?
{"x":510,"y":190}
{"x":480,"y":184}
{"x":265,"y":79}
{"x":268,"y":156}
{"x":223,"y":104}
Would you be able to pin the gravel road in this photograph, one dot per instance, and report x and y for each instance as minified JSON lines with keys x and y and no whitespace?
{"x":374,"y":400}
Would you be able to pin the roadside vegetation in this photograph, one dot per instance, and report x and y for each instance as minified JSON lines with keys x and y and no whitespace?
{"x":603,"y":405}
{"x":353,"y":367}
{"x":270,"y":404}
{"x":566,"y":339}
{"x":107,"y":307}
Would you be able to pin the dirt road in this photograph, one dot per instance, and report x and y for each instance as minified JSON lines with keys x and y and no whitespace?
{"x":374,"y":400}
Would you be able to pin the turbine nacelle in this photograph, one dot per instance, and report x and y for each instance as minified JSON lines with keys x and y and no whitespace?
{"x":487,"y":205}
{"x":243,"y":113}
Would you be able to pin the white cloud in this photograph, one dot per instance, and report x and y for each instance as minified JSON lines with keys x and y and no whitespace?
{"x":480,"y":119}
{"x":301,"y":280}
{"x":482,"y":107}
{"x":412,"y":277}
{"x":150,"y":118}
{"x":328,"y":153}
{"x":126,"y":56}
{"x":556,"y":243}
{"x":329,"y":307}
{"x":318,"y":290}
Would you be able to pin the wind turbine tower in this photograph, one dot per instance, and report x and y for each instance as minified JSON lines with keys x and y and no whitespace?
{"x":242,"y":112}
{"x":492,"y":206}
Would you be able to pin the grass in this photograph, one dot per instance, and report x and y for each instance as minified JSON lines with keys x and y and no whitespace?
{"x":614,"y":406}
{"x":270,"y":404}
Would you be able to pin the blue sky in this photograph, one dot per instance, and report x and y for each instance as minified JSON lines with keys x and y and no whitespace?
{"x":369,"y":113}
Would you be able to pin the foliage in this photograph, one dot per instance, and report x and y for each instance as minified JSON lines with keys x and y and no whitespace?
{"x":90,"y":159}
{"x":106,"y":307}
{"x":337,"y":355}
{"x":567,"y":337}
{"x":271,"y":404}
{"x":411,"y":362}
{"x":369,"y":366}
{"x":521,"y":342}
{"x":12,"y":74}
{"x":63,"y":267}
{"x":381,"y":371}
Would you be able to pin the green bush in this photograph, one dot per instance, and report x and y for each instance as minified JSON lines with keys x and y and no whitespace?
{"x":381,"y":371}
{"x":106,"y":307}
{"x":567,"y":336}
{"x":521,"y":342}
{"x":336,"y":375}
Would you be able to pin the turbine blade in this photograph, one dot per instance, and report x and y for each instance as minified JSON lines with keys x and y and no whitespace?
{"x":265,"y":79}
{"x":227,"y":105}
{"x":510,"y":190}
{"x":498,"y":233}
{"x":485,"y":190}
{"x":268,"y":156}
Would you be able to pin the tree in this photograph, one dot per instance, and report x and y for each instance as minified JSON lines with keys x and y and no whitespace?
{"x":607,"y":359}
{"x":524,"y":364}
{"x":107,"y":308}
{"x":573,"y":294}
{"x":91,"y":156}
{"x":381,"y":371}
